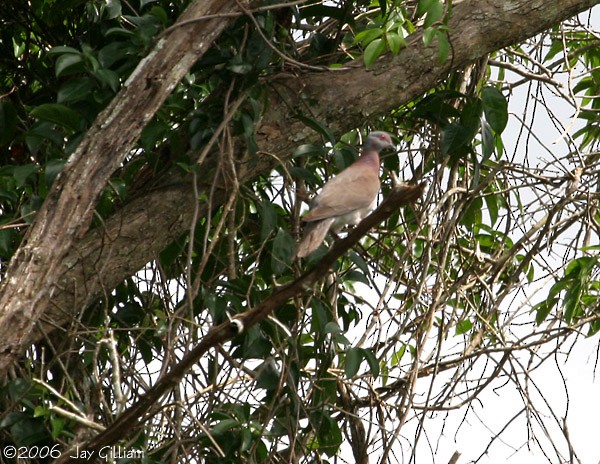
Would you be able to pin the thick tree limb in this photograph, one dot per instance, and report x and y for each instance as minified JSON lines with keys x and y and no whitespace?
{"x":34,"y":271}
{"x":126,"y":423}
{"x":342,"y":100}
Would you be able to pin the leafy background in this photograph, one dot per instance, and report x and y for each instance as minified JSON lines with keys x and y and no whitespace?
{"x":492,"y":273}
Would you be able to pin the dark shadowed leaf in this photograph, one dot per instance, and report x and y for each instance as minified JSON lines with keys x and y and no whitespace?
{"x":283,"y":251}
{"x":60,"y":115}
{"x":372,"y":360}
{"x":69,"y":64}
{"x":454,"y":136}
{"x":8,"y":121}
{"x":75,"y":89}
{"x":354,"y":357}
{"x":495,"y":108}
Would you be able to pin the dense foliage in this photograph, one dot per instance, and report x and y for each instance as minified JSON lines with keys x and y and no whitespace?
{"x":471,"y":288}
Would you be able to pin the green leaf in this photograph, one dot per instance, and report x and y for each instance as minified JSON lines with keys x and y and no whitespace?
{"x":341,"y":339}
{"x":493,"y":203}
{"x":470,"y":117}
{"x":332,"y":327}
{"x":318,"y":9}
{"x":305,"y":174}
{"x":454,"y":136}
{"x":23,"y":172}
{"x":120,"y":32}
{"x":57,"y":425}
{"x":40,"y":133}
{"x":428,"y":35}
{"x":395,"y":42}
{"x":237,"y":66}
{"x":10,"y":419}
{"x":487,"y":141}
{"x":372,"y":360}
{"x":572,"y":302}
{"x":268,"y":377}
{"x":581,"y":267}
{"x":373,"y":51}
{"x":59,"y":114}
{"x":343,"y":157}
{"x":52,"y":169}
{"x":359,"y":262}
{"x":246,"y":439}
{"x":108,"y":79}
{"x":435,"y":107}
{"x":310,"y":149}
{"x":495,"y":108}
{"x":591,"y":248}
{"x":29,"y":432}
{"x":357,"y":276}
{"x":255,"y":345}
{"x":423,"y":6}
{"x":435,"y":12}
{"x":224,"y":426}
{"x":6,"y":241}
{"x":113,"y":9}
{"x":113,"y":52}
{"x":268,"y":216}
{"x":168,"y":257}
{"x":583,"y":84}
{"x":69,"y":64}
{"x":463,"y":326}
{"x":367,"y":36}
{"x":282,"y":252}
{"x":543,"y":309}
{"x":594,"y":327}
{"x":443,"y":46}
{"x":317,"y":126}
{"x":40,"y":411}
{"x":329,"y":435}
{"x":556,"y":47}
{"x":397,"y":356}
{"x":354,"y":357}
{"x":154,"y":132}
{"x":473,"y":213}
{"x":8,"y":122}
{"x":558,"y":287}
{"x":61,"y":50}
{"x":75,"y":90}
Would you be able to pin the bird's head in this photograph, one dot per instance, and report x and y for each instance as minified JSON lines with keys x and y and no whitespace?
{"x":379,"y":140}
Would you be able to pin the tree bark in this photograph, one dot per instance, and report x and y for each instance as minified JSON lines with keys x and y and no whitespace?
{"x":33,"y":273}
{"x":53,"y":266}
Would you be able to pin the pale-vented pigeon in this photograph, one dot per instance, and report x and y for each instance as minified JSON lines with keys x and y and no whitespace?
{"x":346,"y":198}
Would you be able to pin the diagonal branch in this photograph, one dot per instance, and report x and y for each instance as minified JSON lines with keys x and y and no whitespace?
{"x":127,"y":422}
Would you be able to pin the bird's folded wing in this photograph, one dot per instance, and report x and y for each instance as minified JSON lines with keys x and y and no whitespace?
{"x":347,"y":192}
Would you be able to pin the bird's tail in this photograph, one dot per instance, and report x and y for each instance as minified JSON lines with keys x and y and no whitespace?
{"x":314,"y":234}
